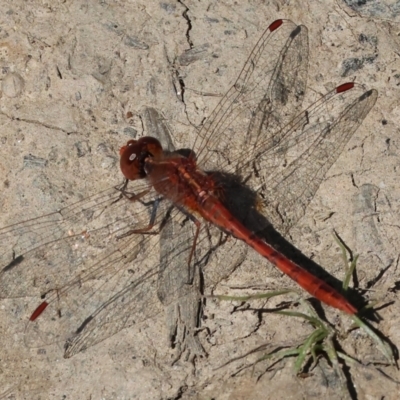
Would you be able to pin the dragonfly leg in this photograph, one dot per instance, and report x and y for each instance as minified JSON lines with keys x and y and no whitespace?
{"x":131,"y":196}
{"x":134,"y":196}
{"x":192,"y":218}
{"x":196,"y":235}
{"x":149,"y":227}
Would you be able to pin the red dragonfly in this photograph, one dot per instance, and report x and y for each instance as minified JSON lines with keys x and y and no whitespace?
{"x":256,"y":138}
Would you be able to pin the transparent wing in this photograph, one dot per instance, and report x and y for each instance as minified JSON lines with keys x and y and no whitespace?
{"x":291,"y":166}
{"x":158,"y":279}
{"x":38,"y":254}
{"x":179,"y":284}
{"x":156,"y":127}
{"x":75,"y":258}
{"x":271,"y":86}
{"x":132,"y":304}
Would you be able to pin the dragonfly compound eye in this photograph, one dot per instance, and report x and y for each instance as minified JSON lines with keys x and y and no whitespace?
{"x":132,"y":159}
{"x":134,"y":155}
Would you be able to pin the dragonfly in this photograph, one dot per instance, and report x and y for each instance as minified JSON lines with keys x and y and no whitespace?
{"x":119,"y":257}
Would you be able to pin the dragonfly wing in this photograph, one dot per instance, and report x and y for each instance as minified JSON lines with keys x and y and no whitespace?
{"x":155,"y":127}
{"x":131,"y":298}
{"x":179,"y":284}
{"x":42,"y":253}
{"x":131,"y":305}
{"x":290,"y":174}
{"x":269,"y":91}
{"x":40,"y":256}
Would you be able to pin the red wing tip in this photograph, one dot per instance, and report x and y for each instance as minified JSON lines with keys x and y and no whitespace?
{"x":38,"y":311}
{"x":346,"y":86}
{"x":275,"y":25}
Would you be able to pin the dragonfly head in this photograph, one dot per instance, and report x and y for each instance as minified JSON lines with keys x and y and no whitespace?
{"x":134,"y":154}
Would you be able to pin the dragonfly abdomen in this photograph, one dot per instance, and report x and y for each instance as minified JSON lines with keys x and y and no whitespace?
{"x":215,"y":212}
